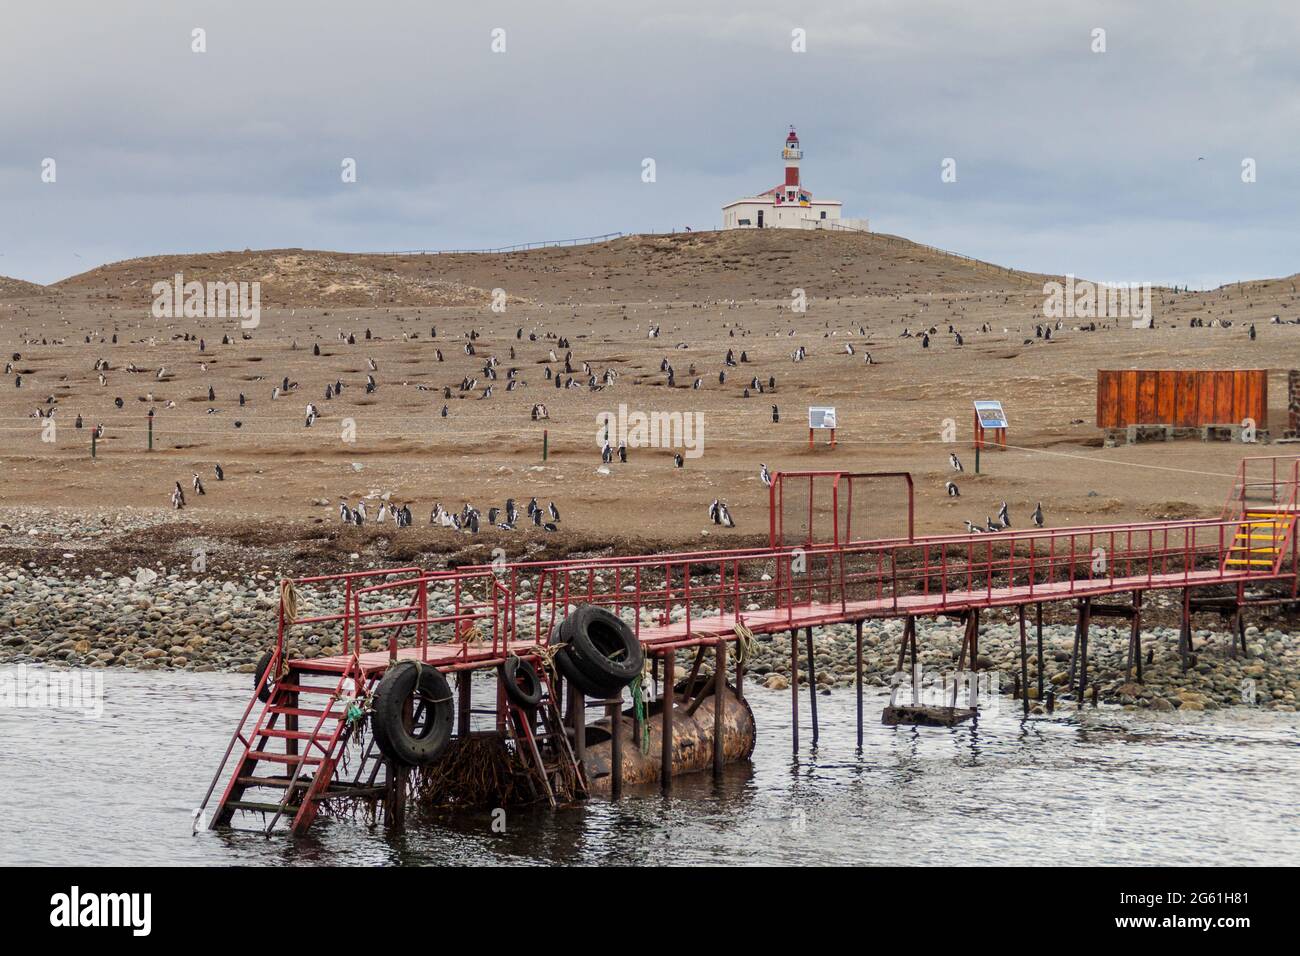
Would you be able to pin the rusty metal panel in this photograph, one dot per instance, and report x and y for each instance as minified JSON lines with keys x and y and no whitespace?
{"x":1107,"y":398}
{"x":1146,"y":396}
{"x":1166,"y":389}
{"x":1128,"y":386}
{"x":1183,"y":398}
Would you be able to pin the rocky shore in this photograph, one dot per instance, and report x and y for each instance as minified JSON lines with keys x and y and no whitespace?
{"x":153,"y":620}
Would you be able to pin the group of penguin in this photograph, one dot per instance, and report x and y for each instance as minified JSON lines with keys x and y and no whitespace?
{"x":467,"y":519}
{"x":178,"y":493}
{"x":1003,"y":521}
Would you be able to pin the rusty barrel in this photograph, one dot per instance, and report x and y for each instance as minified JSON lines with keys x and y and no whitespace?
{"x":692,"y":741}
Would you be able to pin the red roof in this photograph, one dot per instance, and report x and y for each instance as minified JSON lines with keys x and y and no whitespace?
{"x":792,"y":138}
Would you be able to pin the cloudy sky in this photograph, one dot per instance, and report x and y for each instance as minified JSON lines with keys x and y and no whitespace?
{"x":1066,"y":159}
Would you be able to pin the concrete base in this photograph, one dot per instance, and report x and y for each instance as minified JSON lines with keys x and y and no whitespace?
{"x":1141,"y":434}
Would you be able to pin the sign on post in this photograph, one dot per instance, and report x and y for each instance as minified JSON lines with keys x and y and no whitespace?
{"x":821,"y":416}
{"x":989,"y":416}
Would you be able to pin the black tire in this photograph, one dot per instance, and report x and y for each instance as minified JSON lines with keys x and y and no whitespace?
{"x":522,"y":684}
{"x":576,"y":678}
{"x":412,"y":714}
{"x":263,"y":665}
{"x":602,"y":647}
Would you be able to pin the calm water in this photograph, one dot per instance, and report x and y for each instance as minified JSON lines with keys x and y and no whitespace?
{"x":1104,"y":787}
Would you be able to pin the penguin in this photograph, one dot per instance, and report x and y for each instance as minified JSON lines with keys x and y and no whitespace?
{"x":198,"y":485}
{"x":221,"y":475}
{"x":952,"y":489}
{"x":764,"y":475}
{"x":955,"y":462}
{"x":725,"y":516}
{"x":555,"y":513}
{"x":1038,"y":515}
{"x":714,"y":513}
{"x":1004,"y":517}
{"x":776,"y":415}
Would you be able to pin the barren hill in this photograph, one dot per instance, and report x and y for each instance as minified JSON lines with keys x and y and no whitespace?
{"x":18,"y":289}
{"x":288,"y":277}
{"x":700,"y":266}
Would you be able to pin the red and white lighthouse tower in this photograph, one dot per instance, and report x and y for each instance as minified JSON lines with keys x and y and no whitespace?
{"x":788,"y":204}
{"x":792,"y":154}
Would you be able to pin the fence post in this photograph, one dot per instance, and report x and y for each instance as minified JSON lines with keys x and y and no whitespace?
{"x":151,"y":429}
{"x":94,"y":432}
{"x":546,"y":443}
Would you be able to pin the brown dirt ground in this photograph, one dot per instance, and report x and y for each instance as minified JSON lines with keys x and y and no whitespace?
{"x":707,"y":291}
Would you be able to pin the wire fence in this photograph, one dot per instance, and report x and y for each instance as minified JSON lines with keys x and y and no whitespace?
{"x":517,"y":247}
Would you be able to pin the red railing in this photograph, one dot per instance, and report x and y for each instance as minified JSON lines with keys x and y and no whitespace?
{"x":486,"y":609}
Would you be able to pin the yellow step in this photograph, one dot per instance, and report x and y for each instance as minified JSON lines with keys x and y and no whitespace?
{"x":1252,"y":561}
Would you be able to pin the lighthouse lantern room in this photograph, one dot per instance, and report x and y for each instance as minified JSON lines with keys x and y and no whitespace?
{"x":789,"y":205}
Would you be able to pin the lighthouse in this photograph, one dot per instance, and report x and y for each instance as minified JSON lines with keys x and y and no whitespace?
{"x":790,"y":205}
{"x":792,"y":154}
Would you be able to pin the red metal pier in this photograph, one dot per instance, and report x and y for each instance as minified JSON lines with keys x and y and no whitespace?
{"x":819,"y":568}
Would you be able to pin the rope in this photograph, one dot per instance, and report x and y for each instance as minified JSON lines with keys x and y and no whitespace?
{"x":744,"y":642}
{"x":546,"y":655}
{"x":289,"y":601}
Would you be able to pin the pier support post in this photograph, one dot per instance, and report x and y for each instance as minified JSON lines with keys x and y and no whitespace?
{"x":794,"y":691}
{"x":961,"y":658}
{"x":579,"y":716}
{"x":1024,"y":662}
{"x":666,"y":748}
{"x":1040,"y":650}
{"x":1074,"y":648}
{"x":1135,"y":640}
{"x":395,"y":795}
{"x":1085,"y":618}
{"x":909,"y":641}
{"x":812,"y":684}
{"x":463,"y":702}
{"x":1185,"y":629}
{"x":858,"y":674}
{"x":615,"y":710}
{"x":719,"y":702}
{"x":1239,"y":619}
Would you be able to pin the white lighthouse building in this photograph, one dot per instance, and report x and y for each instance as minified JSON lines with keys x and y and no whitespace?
{"x":790,"y":205}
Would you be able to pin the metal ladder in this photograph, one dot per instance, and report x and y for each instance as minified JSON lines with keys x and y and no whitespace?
{"x":562,"y":778}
